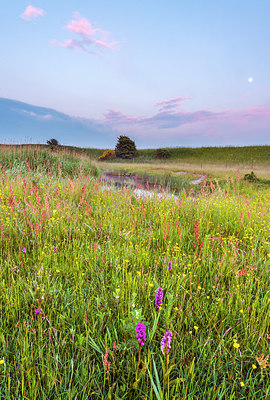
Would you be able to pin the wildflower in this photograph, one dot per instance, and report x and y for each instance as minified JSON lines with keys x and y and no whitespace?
{"x":159,"y":298}
{"x":140,"y":333}
{"x":242,"y":272}
{"x":242,"y":384}
{"x":236,"y":345}
{"x":196,"y":328}
{"x":254,"y":366}
{"x":109,"y":209}
{"x":2,"y":361}
{"x":166,"y":342}
{"x":24,"y":250}
{"x":263,"y":361}
{"x":38,"y":310}
{"x":55,"y":249}
{"x":169,"y":265}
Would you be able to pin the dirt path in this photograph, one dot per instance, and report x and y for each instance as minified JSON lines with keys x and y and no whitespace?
{"x":196,"y":181}
{"x":200,"y":180}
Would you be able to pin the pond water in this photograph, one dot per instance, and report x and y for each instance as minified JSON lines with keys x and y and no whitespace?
{"x":135,"y":182}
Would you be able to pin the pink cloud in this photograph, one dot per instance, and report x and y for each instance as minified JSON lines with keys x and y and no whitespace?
{"x":162,"y":120}
{"x":89,"y":36}
{"x":249,"y":125}
{"x":32,"y":12}
{"x":81,"y":26}
{"x":117,"y":117}
{"x":171,"y":103}
{"x":73,"y":44}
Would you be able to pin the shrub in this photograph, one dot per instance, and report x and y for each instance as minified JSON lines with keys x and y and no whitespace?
{"x":107,"y":155}
{"x":251,"y":177}
{"x":125,"y":148}
{"x":162,"y":153}
{"x":53,"y":142}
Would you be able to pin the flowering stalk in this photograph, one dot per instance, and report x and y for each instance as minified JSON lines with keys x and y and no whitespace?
{"x":165,"y":349}
{"x":141,"y":336}
{"x":166,"y":342}
{"x":159,"y":298}
{"x":140,"y":333}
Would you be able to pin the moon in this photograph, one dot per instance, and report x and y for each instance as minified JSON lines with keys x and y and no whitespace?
{"x":250,"y":79}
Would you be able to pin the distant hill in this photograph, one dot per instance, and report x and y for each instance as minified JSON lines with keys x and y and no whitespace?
{"x":24,"y":123}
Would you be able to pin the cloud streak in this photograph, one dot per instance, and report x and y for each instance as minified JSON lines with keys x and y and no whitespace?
{"x":31,"y":13}
{"x":167,"y":117}
{"x":196,"y":127}
{"x":170,"y":104}
{"x":89,"y":38}
{"x":249,"y":126}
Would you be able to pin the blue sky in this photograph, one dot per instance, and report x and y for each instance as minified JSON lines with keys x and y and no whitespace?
{"x":179,"y":72}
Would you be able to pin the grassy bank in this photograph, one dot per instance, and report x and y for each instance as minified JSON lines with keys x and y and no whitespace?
{"x":227,"y":156}
{"x":230,"y":154}
{"x":81,"y":264}
{"x":27,"y":160}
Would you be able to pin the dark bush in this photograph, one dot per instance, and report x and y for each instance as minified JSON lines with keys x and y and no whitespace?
{"x":53,"y":142}
{"x":251,"y":177}
{"x":125,"y":148}
{"x":162,"y":153}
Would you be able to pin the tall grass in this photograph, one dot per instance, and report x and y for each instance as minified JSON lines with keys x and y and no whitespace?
{"x":36,"y":159}
{"x":80,"y":266}
{"x":226,"y":156}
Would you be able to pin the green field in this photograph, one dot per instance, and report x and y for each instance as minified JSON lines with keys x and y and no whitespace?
{"x":81,"y":263}
{"x":230,"y":155}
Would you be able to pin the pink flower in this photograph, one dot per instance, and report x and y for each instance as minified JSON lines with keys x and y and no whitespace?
{"x":140,"y":333}
{"x":166,"y":342}
{"x":159,"y":298}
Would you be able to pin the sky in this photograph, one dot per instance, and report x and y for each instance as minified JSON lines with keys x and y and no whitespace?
{"x":165,"y":73}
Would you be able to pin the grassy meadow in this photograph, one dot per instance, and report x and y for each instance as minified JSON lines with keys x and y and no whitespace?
{"x":82,"y":263}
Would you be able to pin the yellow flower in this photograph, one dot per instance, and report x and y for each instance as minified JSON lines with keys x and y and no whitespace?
{"x":236,"y":345}
{"x":196,"y":328}
{"x":241,"y":311}
{"x":190,"y":332}
{"x":2,"y":361}
{"x":254,"y":366}
{"x":242,"y":384}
